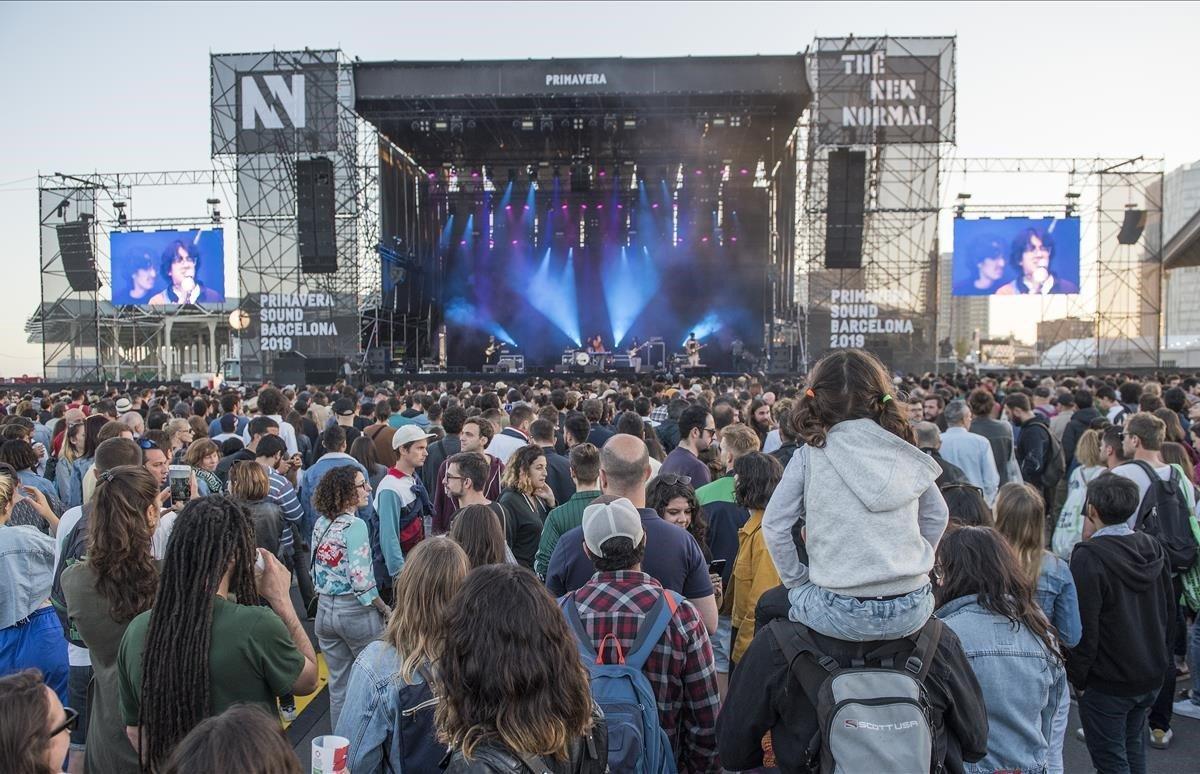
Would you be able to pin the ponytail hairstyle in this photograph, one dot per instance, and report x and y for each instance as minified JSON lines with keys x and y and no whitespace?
{"x":844,"y":385}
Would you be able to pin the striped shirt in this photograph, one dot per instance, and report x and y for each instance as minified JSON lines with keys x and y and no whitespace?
{"x":283,"y":495}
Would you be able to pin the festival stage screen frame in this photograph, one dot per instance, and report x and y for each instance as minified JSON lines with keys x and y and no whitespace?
{"x":1016,"y":256}
{"x":140,"y":263}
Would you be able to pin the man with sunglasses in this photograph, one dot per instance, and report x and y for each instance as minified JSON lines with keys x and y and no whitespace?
{"x":696,"y":430}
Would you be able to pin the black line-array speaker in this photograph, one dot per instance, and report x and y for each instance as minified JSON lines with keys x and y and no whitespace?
{"x":315,"y":216}
{"x":79,"y":260}
{"x":1132,"y":227}
{"x":844,"y":209}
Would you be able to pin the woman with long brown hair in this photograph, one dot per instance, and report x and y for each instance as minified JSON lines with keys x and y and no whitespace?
{"x":528,"y":499}
{"x":244,"y":739}
{"x":986,"y":599}
{"x":116,"y":581}
{"x":537,"y":703}
{"x":1021,"y":519}
{"x":480,"y":534}
{"x":387,"y":713}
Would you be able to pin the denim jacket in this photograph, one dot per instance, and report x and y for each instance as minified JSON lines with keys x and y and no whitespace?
{"x":26,"y":572}
{"x":1057,"y":597}
{"x":372,"y":714}
{"x":1022,"y":686}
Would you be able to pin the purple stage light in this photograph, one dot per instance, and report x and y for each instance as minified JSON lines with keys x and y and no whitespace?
{"x":508,"y":206}
{"x":745,"y":171}
{"x":514,"y":241}
{"x":703,"y":239}
{"x":432,"y":176}
{"x":602,"y":173}
{"x":654,"y":206}
{"x":699,"y":171}
{"x":599,"y":206}
{"x":620,"y":206}
{"x":564,"y":206}
{"x":463,"y":242}
{"x":732,"y":239}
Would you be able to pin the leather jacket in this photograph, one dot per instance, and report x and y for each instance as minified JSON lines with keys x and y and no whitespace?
{"x":589,"y":755}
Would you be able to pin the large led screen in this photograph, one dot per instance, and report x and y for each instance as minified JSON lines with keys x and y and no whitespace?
{"x":1016,"y":256}
{"x":162,"y":268}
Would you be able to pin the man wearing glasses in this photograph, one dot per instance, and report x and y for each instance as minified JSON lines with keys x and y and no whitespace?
{"x":180,"y":262}
{"x":696,"y":431}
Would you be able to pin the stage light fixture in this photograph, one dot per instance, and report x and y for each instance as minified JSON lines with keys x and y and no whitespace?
{"x":630,"y":122}
{"x":547,"y":124}
{"x":718,"y":121}
{"x":440,"y":125}
{"x":1072,"y":203}
{"x":456,"y":125}
{"x":610,"y":123}
{"x":527,"y":124}
{"x":735,"y":121}
{"x":122,"y":220}
{"x":214,"y":206}
{"x":961,"y":208}
{"x":577,"y":123}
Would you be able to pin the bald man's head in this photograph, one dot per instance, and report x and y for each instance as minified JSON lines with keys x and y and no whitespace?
{"x":928,"y":435}
{"x":625,"y":467}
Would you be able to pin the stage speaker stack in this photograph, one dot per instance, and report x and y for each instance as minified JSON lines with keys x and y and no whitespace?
{"x":844,"y":209}
{"x":315,"y":216}
{"x":79,"y":260}
{"x":1132,"y":227}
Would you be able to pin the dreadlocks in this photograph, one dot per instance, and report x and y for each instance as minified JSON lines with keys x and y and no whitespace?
{"x":210,"y":535}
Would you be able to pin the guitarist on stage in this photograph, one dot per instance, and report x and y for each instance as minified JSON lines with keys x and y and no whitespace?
{"x":635,"y":354}
{"x":692,"y":348}
{"x":491,"y":355}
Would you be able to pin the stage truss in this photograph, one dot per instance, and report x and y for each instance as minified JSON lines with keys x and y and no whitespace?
{"x":84,"y":337}
{"x":1121,"y":285}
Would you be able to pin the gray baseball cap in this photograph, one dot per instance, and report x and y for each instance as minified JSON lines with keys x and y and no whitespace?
{"x":603,"y":521}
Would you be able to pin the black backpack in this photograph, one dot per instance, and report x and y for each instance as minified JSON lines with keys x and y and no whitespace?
{"x":1164,"y":514}
{"x":419,"y":747}
{"x":74,"y":550}
{"x":1054,"y":467}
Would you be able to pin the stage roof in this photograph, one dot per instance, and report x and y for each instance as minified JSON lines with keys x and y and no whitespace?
{"x":1183,"y":249}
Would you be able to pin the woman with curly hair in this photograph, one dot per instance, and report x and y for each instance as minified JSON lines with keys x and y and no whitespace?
{"x":350,"y":612}
{"x":673,"y":498}
{"x":34,"y":725}
{"x":538,"y":706}
{"x":116,"y":581}
{"x":527,"y":498}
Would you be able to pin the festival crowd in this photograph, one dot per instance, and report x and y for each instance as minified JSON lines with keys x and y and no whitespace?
{"x":850,"y":570}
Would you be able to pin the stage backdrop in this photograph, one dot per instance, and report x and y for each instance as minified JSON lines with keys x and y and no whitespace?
{"x":161,"y":268}
{"x":1016,"y":256}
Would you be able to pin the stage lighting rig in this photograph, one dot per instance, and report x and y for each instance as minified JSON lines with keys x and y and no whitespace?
{"x":441,"y":124}
{"x":122,"y":218}
{"x":526,"y":124}
{"x":456,"y":125}
{"x":546,"y":124}
{"x":629,"y":123}
{"x":214,"y":207}
{"x":1072,"y":204}
{"x":610,"y":123}
{"x":961,"y":208}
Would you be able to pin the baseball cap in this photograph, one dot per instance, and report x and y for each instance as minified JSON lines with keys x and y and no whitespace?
{"x":407,"y":434}
{"x":603,"y":521}
{"x":343,"y":407}
{"x":124,"y":405}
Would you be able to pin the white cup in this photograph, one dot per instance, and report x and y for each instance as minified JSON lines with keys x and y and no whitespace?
{"x":330,"y":755}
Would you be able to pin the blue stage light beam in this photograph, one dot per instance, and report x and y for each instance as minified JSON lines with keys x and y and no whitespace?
{"x":444,"y":240}
{"x":710,"y":324}
{"x":628,"y":288}
{"x":553,"y":294}
{"x":464,"y":314}
{"x":468,"y":235}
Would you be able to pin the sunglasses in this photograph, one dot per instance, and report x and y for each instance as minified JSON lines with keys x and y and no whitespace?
{"x":145,"y":444}
{"x":68,"y":724}
{"x":959,"y":485}
{"x":671,"y":478}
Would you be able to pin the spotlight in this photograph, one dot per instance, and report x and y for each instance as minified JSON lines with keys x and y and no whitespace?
{"x":440,"y":124}
{"x":961,"y":208}
{"x":420,"y":125}
{"x":630,"y":122}
{"x":735,"y":121}
{"x":577,"y":123}
{"x":1072,"y":203}
{"x":471,"y":123}
{"x":214,"y":205}
{"x":718,"y":121}
{"x":456,"y":125}
{"x":527,"y":124}
{"x":122,"y":220}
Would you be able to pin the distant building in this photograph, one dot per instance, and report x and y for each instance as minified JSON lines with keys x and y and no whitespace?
{"x":1051,"y":332}
{"x":960,"y":318}
{"x":1181,"y":201}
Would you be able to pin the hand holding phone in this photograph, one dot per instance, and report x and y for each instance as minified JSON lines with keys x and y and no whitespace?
{"x":717,"y":566}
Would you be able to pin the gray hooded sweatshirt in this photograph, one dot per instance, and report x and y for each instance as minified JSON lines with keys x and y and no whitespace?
{"x":872,"y":512}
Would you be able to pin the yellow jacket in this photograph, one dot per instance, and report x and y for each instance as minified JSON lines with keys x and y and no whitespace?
{"x":753,"y":574}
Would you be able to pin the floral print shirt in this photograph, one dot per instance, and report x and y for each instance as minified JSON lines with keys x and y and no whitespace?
{"x":342,"y":558}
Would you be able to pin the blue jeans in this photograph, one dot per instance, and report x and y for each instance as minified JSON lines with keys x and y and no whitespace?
{"x":722,"y":643}
{"x":37,"y":642}
{"x":1114,"y":728}
{"x":860,"y":620}
{"x":344,"y":626}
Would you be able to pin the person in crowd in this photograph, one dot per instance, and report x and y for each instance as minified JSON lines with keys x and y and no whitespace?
{"x":1066,"y":409}
{"x":758,"y":419}
{"x":934,"y":406}
{"x":1069,"y":529}
{"x":78,"y":455}
{"x":872,"y":511}
{"x":34,"y":725}
{"x":1109,"y":404}
{"x":724,"y":516}
{"x":350,"y":612}
{"x":787,"y":437}
{"x":257,"y":428}
{"x":293,"y":542}
{"x":333,"y":440}
{"x":754,"y":572}
{"x":1127,"y":606}
{"x":622,"y":602}
{"x":929,"y":440}
{"x":558,"y":468}
{"x":272,"y":403}
{"x":444,"y":448}
{"x":203,"y":456}
{"x":196,"y":653}
{"x":585,"y":475}
{"x":598,"y":434}
{"x":515,"y":436}
{"x":243,"y":738}
{"x":380,"y":433}
{"x":481,"y":535}
{"x":179,"y":437}
{"x":696,"y":431}
{"x":964,"y":450}
{"x":475,"y":437}
{"x":1034,"y":448}
{"x":674,"y":500}
{"x":576,"y":430}
{"x":343,"y":417}
{"x":676,"y":560}
{"x":250,"y":486}
{"x":539,"y":707}
{"x":231,"y":406}
{"x":986,"y":598}
{"x":104,"y":592}
{"x":30,"y":633}
{"x":527,"y":499}
{"x":24,"y":460}
{"x":1021,"y":520}
{"x":227,"y":428}
{"x":1081,"y":421}
{"x":388,"y":710}
{"x":401,"y":502}
{"x":998,"y":433}
{"x":364,"y":451}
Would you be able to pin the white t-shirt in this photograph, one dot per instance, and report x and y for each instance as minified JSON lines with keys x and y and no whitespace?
{"x":1138,"y":476}
{"x":162,"y":533}
{"x":76,"y":656}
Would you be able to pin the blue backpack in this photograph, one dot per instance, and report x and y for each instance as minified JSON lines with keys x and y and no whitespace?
{"x":637,"y":743}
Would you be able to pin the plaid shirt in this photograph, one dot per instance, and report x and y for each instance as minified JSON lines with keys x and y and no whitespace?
{"x":680,"y":668}
{"x":659,"y":413}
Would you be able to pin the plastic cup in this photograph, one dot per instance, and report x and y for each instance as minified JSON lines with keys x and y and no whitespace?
{"x":330,"y":755}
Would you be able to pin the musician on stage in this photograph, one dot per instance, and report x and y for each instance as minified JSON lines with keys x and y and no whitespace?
{"x":491,"y":355}
{"x":692,"y":348}
{"x":596,"y":344}
{"x":635,"y":354}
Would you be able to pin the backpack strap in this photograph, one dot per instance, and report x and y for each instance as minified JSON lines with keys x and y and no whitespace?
{"x":919,"y":663}
{"x":582,"y":639}
{"x":1145,"y":506}
{"x":651,"y":629}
